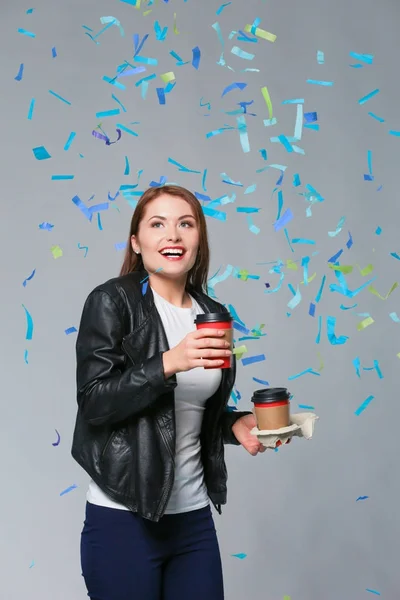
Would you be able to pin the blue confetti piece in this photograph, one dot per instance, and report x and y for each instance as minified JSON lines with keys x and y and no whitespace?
{"x":285,"y":143}
{"x":365,"y":99}
{"x":54,"y":52}
{"x":107,"y":113}
{"x":29,"y":278}
{"x":144,"y":287}
{"x":41,"y":153}
{"x":320,"y":57}
{"x":26,"y":357}
{"x":70,"y":330}
{"x":61,"y":177}
{"x":127,"y":130}
{"x":296,"y":180}
{"x":373,"y":592}
{"x":66,"y":491}
{"x":364,"y":405}
{"x":47,"y":226}
{"x":395,"y":133}
{"x":283,"y":220}
{"x":378,"y":231}
{"x":240,"y":327}
{"x":57,"y":443}
{"x":311,"y":310}
{"x":29,"y":324}
{"x":362,"y":498}
{"x":31,"y":108}
{"x":30,"y":11}
{"x":27,"y":33}
{"x":20,"y":74}
{"x":70,"y":140}
{"x":119,"y":102}
{"x":120,"y":245}
{"x":261,"y":381}
{"x":161,"y":95}
{"x":302,"y":241}
{"x":395,"y":255}
{"x":310,"y":117}
{"x":236,"y":85}
{"x":78,"y":202}
{"x":253,"y":359}
{"x":196,"y":55}
{"x":306,"y":407}
{"x":127,"y":166}
{"x":241,"y":556}
{"x":59,"y":97}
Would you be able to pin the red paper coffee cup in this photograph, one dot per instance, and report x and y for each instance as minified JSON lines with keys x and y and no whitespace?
{"x":218,"y":321}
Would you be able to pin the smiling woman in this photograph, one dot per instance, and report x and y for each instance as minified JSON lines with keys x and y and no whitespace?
{"x":153,"y":418}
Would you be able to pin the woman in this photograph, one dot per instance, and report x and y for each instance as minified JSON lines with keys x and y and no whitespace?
{"x":151,"y":423}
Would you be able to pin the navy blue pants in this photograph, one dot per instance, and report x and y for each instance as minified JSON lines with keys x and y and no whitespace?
{"x":126,"y":557}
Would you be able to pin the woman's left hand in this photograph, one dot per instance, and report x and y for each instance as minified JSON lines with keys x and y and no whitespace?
{"x":241,"y":430}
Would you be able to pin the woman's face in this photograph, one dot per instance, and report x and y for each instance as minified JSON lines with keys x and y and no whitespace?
{"x":168,"y":236}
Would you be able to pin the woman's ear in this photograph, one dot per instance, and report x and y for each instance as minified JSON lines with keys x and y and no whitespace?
{"x":134,"y":245}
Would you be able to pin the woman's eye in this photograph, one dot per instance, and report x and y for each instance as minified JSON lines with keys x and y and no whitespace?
{"x":155,"y":224}
{"x":188,"y":223}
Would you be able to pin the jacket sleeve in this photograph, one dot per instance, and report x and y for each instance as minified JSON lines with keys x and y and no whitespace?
{"x":228,"y":419}
{"x":109,"y":391}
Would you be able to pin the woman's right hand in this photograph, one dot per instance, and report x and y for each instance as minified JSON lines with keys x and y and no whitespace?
{"x":200,"y":348}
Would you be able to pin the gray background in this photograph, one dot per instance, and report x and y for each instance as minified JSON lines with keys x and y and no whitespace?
{"x":294,"y":513}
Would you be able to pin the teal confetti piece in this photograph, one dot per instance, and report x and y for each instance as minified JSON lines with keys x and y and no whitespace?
{"x":317,"y":82}
{"x":373,"y":591}
{"x":295,"y":300}
{"x":320,"y":57}
{"x":241,"y":556}
{"x":394,"y":317}
{"x":378,"y":231}
{"x":113,"y":81}
{"x":182,"y":167}
{"x":285,"y":143}
{"x":203,"y":183}
{"x":127,"y":166}
{"x":250,"y":189}
{"x":305,"y":372}
{"x":367,"y":58}
{"x":364,"y":405}
{"x":302,"y":241}
{"x":318,"y":338}
{"x":244,"y":138}
{"x":146,"y":60}
{"x":127,"y":130}
{"x":61,"y":177}
{"x":27,"y":33}
{"x":374,"y":116}
{"x":294,"y":101}
{"x":306,"y":407}
{"x":296,"y":180}
{"x":119,"y":102}
{"x":85,"y":248}
{"x":70,"y":140}
{"x":107,"y":113}
{"x":242,"y":54}
{"x":41,"y":153}
{"x":365,"y":99}
{"x":59,"y":97}
{"x":31,"y":108}
{"x":216,"y":214}
{"x":335,"y":341}
{"x":395,"y":133}
{"x":318,"y":296}
{"x":29,"y":324}
{"x":221,"y":8}
{"x":253,"y":228}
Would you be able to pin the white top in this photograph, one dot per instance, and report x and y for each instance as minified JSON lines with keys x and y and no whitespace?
{"x":193,"y":388}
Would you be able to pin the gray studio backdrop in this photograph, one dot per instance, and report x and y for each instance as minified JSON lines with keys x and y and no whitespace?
{"x":317,"y":519}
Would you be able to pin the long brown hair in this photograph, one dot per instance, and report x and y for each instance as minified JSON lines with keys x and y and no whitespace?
{"x":197,"y":276}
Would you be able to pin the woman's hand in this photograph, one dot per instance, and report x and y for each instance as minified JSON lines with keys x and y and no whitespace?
{"x":241,"y":430}
{"x":200,"y":348}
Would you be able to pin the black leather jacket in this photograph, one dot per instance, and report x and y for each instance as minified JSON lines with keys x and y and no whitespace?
{"x":124,"y":435}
